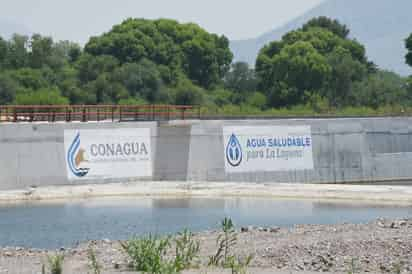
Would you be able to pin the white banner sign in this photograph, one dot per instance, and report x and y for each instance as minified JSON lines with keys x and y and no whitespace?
{"x":272,"y":148}
{"x":108,"y":153}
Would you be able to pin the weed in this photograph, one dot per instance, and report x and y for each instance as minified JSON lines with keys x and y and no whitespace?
{"x":225,"y":242}
{"x":239,"y":266}
{"x":94,"y":264}
{"x":148,"y":254}
{"x":187,"y":250}
{"x":56,"y":264}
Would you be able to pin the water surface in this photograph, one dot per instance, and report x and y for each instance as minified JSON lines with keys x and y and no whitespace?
{"x":53,"y":225}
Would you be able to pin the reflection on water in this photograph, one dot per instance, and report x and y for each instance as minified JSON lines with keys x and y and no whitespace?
{"x":56,"y":224}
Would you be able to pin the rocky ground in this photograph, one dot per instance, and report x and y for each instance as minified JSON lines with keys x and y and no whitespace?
{"x":382,"y":246}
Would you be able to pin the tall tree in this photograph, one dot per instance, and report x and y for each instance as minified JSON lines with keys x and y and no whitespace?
{"x":333,"y":26}
{"x":345,"y":72}
{"x":17,"y":56}
{"x":311,"y":60}
{"x":41,"y":50}
{"x":241,"y":80}
{"x":184,"y":48}
{"x":409,"y":48}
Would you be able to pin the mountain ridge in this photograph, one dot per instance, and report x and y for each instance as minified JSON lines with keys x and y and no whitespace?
{"x":381,"y":25}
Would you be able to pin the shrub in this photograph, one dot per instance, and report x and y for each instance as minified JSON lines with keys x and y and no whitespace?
{"x":187,"y":250}
{"x":94,"y":264}
{"x":225,"y":242}
{"x":148,"y":254}
{"x":56,"y":264}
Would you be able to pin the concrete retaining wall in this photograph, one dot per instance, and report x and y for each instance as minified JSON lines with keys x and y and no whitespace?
{"x":344,"y":150}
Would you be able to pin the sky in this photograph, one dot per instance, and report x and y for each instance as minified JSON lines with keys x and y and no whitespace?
{"x":77,"y":20}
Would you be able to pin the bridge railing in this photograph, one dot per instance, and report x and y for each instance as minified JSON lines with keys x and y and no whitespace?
{"x":85,"y":113}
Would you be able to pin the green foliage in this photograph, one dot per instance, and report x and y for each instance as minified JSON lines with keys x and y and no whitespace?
{"x":28,"y":78}
{"x":186,"y":250}
{"x":147,"y":254}
{"x":93,"y":263}
{"x":56,"y":264}
{"x":186,"y":93}
{"x":241,"y":80}
{"x":381,"y":89}
{"x":140,"y":79}
{"x":314,"y":70}
{"x":346,"y":71}
{"x":317,"y":59}
{"x":224,"y":256}
{"x":8,"y":89}
{"x":221,"y":97}
{"x":41,"y":97}
{"x":333,"y":26}
{"x":204,"y":58}
{"x":132,"y":101}
{"x":17,"y":52}
{"x":297,"y":68}
{"x":90,"y":67}
{"x":257,"y":100}
{"x":239,"y":265}
{"x":408,"y":43}
{"x":225,"y":242}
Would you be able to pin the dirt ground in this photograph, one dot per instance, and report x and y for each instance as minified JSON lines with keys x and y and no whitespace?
{"x":382,"y":246}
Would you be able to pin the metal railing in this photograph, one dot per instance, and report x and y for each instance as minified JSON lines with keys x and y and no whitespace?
{"x":85,"y":113}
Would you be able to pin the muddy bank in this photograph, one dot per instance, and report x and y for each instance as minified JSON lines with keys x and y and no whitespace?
{"x":382,"y":246}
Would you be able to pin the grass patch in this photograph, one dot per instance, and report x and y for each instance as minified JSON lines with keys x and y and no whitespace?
{"x":149,"y":254}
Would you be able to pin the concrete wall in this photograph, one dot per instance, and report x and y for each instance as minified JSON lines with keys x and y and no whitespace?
{"x":344,"y":150}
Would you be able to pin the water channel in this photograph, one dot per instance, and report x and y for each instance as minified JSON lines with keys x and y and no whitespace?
{"x":66,"y":223}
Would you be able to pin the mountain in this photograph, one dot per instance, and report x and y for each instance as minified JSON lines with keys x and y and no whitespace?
{"x":381,"y":25}
{"x":7,"y":29}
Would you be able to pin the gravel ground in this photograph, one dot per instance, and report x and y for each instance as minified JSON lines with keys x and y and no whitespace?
{"x":382,"y":246}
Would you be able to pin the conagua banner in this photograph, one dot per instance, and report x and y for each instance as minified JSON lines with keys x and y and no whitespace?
{"x":267,"y":148}
{"x":108,"y":153}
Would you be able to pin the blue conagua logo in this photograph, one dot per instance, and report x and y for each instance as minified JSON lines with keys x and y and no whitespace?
{"x":234,"y":151}
{"x":75,"y":156}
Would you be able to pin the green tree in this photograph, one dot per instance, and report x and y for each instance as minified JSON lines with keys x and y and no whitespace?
{"x":41,"y":50}
{"x":103,"y":90}
{"x":241,"y":80}
{"x":297,"y":70}
{"x":221,"y":97}
{"x":317,"y":59}
{"x":28,"y":78}
{"x":41,"y":97}
{"x":17,"y":53}
{"x":381,"y":89}
{"x":183,"y":48}
{"x":90,"y":67}
{"x":345,"y":72}
{"x":333,"y":26}
{"x":3,"y":52}
{"x":257,"y":100}
{"x":186,"y":93}
{"x":142,"y":80}
{"x":408,"y":43}
{"x":8,"y":89}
